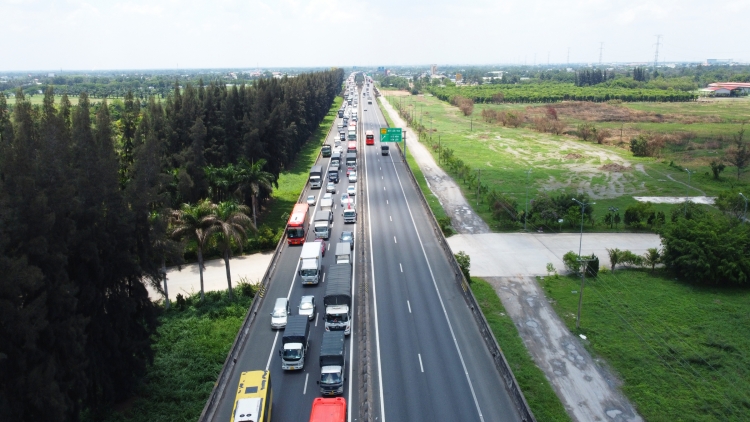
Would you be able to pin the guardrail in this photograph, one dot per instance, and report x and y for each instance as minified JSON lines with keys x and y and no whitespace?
{"x":489,"y":338}
{"x":221,"y":383}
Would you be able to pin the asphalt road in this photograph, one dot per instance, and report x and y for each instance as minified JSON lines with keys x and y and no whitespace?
{"x":294,"y":391}
{"x":431,"y":361}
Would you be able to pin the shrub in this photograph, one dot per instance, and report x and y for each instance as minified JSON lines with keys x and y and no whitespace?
{"x":639,"y":146}
{"x":570,"y":260}
{"x":636,"y":216}
{"x":445,"y":226}
{"x":464,"y":262}
{"x":586,"y":131}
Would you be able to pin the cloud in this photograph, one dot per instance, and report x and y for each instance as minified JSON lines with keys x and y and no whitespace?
{"x":149,"y":9}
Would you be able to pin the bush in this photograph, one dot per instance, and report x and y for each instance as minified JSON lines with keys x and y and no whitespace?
{"x":464,"y":262}
{"x":636,"y":216}
{"x":639,"y":146}
{"x":586,"y":131}
{"x":570,"y":260}
{"x":707,"y":249}
{"x":445,"y":226}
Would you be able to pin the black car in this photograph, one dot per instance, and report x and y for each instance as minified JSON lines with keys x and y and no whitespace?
{"x":347,"y":236}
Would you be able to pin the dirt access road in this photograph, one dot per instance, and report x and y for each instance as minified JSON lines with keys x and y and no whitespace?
{"x":584,"y":385}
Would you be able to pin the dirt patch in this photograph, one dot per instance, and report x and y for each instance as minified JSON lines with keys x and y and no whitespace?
{"x":603,"y":112}
{"x":573,"y":156}
{"x":615,"y":167}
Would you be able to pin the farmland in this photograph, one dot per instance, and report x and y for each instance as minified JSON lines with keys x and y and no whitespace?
{"x":607,"y":173}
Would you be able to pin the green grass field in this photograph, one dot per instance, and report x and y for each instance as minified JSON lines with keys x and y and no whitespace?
{"x":540,"y":396}
{"x":681,"y":350}
{"x":559,"y":163}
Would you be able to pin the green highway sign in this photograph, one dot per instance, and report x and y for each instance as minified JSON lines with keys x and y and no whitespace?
{"x":390,"y":134}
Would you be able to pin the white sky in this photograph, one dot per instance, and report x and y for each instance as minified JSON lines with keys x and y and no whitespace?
{"x":158,"y":34}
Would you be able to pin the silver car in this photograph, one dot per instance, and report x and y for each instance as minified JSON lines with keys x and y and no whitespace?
{"x":307,"y":306}
{"x":331,"y":188}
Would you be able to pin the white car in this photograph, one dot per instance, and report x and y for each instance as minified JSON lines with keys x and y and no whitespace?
{"x":345,"y":199}
{"x":307,"y":306}
{"x":331,"y":187}
{"x":351,"y":190}
{"x":311,"y":200}
{"x":353,"y":177}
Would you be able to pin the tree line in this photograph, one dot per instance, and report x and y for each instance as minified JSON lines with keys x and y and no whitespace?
{"x":86,"y":218}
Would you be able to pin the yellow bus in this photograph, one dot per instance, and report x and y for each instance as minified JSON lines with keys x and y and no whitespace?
{"x":254,"y":397}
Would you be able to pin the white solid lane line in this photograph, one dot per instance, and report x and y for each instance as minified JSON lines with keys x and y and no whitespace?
{"x":402,"y":268}
{"x":307,"y":375}
{"x":374,"y":300}
{"x":440,"y":298}
{"x":409,"y":305}
{"x":394,"y":239}
{"x":420,"y":362}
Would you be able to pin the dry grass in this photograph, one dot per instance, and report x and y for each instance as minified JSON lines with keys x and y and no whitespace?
{"x":603,"y":112}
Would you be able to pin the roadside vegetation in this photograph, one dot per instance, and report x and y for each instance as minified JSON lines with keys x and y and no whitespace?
{"x":540,"y":396}
{"x":675,"y":345}
{"x":190,"y":347}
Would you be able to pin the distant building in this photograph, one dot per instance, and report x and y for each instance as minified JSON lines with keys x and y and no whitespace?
{"x":715,"y":91}
{"x":433,"y":69}
{"x":736,"y":88}
{"x":714,"y":62}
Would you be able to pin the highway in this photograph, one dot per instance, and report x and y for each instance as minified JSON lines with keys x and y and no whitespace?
{"x":294,"y":391}
{"x":429,"y":361}
{"x":432,"y":363}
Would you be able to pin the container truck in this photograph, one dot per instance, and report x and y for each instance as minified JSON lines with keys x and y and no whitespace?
{"x":311,"y":258}
{"x":316,"y":177}
{"x":322,"y":224}
{"x":338,"y":298}
{"x":294,"y":342}
{"x":332,"y":363}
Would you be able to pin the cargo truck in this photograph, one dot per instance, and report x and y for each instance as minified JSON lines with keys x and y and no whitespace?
{"x":350,"y":214}
{"x":338,"y":298}
{"x":343,"y":253}
{"x":351,"y":159}
{"x":310,"y":267}
{"x":295,"y":341}
{"x":332,"y":363}
{"x":333,"y":174}
{"x":316,"y":177}
{"x":322,"y":224}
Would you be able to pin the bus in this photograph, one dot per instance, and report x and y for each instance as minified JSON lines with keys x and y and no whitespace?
{"x":328,"y":410}
{"x":370,"y":137}
{"x":296,"y":228}
{"x":351,"y":146}
{"x":254,"y":397}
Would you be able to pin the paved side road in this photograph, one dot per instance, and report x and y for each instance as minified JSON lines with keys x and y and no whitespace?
{"x":510,"y":262}
{"x":513,"y":254}
{"x":187,"y":281}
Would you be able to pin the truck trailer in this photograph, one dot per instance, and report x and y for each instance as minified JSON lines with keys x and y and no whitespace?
{"x":338,"y":298}
{"x":332,"y":363}
{"x":294,"y":342}
{"x":311,"y":259}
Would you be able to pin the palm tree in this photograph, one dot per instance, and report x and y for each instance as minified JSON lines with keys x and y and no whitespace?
{"x":164,"y":247}
{"x":196,"y":222}
{"x":232,"y":221}
{"x":652,"y":257}
{"x":252,"y":176}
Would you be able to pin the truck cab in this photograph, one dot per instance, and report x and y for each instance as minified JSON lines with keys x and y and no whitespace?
{"x":332,"y":363}
{"x":322,"y":224}
{"x":349,"y":214}
{"x":294,"y":343}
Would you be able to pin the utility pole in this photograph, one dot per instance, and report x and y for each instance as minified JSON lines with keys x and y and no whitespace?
{"x":656,"y":54}
{"x":479,"y":183}
{"x":601,"y":51}
{"x":585,"y":263}
{"x":526,"y":211}
{"x":690,"y":173}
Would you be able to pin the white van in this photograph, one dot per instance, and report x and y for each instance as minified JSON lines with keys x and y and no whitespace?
{"x":280,"y":312}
